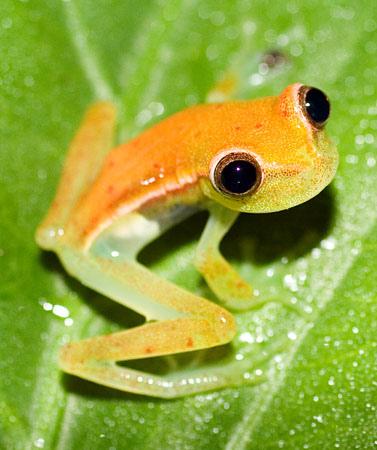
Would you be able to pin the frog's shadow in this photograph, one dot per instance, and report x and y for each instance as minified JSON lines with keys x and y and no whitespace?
{"x":260,"y":239}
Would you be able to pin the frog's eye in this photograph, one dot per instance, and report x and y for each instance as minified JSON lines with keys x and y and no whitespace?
{"x":315,"y":105}
{"x":236,"y":173}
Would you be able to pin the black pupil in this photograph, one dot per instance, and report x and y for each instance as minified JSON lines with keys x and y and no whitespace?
{"x":317,"y":105}
{"x":239,"y":176}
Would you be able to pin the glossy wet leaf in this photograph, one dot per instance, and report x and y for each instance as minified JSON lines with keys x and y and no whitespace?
{"x":153,"y":58}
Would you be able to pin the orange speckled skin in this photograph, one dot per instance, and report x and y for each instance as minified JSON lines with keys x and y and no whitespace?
{"x":171,"y":161}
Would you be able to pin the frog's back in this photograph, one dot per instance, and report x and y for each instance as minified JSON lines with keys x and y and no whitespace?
{"x":162,"y":163}
{"x":137,"y":173}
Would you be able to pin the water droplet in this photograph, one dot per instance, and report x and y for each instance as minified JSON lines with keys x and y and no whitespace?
{"x":68,"y":322}
{"x":270,"y":272}
{"x":7,"y":23}
{"x":156,"y":108}
{"x":318,"y":418}
{"x":296,"y":50}
{"x":60,"y":311}
{"x":329,"y":243}
{"x":282,"y":40}
{"x":247,"y":337}
{"x":47,"y":306}
{"x":212,"y":52}
{"x":256,"y":79}
{"x":291,"y":282}
{"x":217,"y":18}
{"x":249,"y":27}
{"x":231,"y":32}
{"x":39,"y":443}
{"x":292,"y":335}
{"x":371,"y":161}
{"x":352,"y":159}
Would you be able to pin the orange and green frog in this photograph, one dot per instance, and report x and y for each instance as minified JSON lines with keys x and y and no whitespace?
{"x":255,"y":156}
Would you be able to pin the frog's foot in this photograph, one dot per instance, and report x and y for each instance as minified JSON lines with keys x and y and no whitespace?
{"x":182,"y":383}
{"x":232,"y":290}
{"x":95,"y":359}
{"x":178,"y":321}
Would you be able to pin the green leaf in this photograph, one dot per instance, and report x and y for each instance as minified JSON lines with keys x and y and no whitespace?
{"x":160,"y":56}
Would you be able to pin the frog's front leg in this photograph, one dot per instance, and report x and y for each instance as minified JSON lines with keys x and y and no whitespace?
{"x":224,"y":281}
{"x":178,"y":322}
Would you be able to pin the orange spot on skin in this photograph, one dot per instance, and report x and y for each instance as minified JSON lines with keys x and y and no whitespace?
{"x":148,"y":350}
{"x":258,"y":125}
{"x":190,"y":342}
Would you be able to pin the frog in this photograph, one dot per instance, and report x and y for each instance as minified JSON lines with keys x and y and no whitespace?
{"x":240,"y":156}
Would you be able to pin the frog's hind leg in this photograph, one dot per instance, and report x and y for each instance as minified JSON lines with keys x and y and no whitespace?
{"x":177,"y":321}
{"x":85,"y":156}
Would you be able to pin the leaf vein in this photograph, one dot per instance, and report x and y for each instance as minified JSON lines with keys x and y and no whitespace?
{"x":88,"y":59}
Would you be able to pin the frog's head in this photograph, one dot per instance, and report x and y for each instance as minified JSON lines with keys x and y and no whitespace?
{"x":282,"y":155}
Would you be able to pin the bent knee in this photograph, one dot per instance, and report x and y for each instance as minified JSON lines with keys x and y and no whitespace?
{"x":224,"y":325}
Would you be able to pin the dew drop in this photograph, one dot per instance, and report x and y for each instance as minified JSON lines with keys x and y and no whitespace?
{"x":292,"y":335}
{"x":371,"y":161}
{"x":7,"y":23}
{"x":39,"y":443}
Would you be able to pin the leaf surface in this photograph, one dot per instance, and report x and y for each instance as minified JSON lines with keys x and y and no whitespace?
{"x":153,"y":58}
